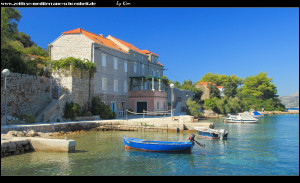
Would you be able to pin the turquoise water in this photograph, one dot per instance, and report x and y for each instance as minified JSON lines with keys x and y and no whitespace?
{"x":270,"y":147}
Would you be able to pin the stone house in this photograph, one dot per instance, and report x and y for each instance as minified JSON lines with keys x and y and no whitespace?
{"x":125,"y":74}
{"x":180,"y":98}
{"x":206,"y":92}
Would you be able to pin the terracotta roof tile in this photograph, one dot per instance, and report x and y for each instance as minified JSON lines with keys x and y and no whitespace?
{"x":107,"y":42}
{"x":205,"y":83}
{"x":96,"y":38}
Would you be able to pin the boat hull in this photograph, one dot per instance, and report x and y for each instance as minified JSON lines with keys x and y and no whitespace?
{"x":240,"y":121}
{"x":210,"y":135}
{"x":156,"y":146}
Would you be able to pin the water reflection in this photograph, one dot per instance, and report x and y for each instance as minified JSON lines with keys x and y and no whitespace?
{"x":250,"y":149}
{"x":52,"y":163}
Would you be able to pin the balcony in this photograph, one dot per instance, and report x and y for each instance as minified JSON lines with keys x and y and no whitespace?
{"x":147,"y":83}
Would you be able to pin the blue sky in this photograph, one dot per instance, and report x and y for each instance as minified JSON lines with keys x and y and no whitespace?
{"x":189,"y":41}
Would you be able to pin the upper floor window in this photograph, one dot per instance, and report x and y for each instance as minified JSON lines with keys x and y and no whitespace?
{"x":143,"y":69}
{"x":135,"y":67}
{"x":116,"y":84}
{"x":104,"y":84}
{"x":115,"y":63}
{"x":125,"y":87}
{"x":125,"y":66}
{"x":103,"y":60}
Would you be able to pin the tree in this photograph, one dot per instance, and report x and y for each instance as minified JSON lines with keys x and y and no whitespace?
{"x":25,"y":40}
{"x":9,"y":19}
{"x":194,"y":108}
{"x":213,"y":91}
{"x":230,"y":88}
{"x":259,"y":86}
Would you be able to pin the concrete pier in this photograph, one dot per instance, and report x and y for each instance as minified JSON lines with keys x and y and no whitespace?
{"x":19,"y":145}
{"x":53,"y":145}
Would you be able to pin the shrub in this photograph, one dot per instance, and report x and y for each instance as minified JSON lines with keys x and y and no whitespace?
{"x":193,"y":108}
{"x":28,"y":118}
{"x":99,"y":108}
{"x":71,"y":110}
{"x":210,"y":104}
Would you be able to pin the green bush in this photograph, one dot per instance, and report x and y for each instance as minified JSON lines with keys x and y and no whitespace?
{"x":193,"y":108}
{"x":28,"y":118}
{"x":99,"y":108}
{"x":210,"y":104}
{"x":72,"y":110}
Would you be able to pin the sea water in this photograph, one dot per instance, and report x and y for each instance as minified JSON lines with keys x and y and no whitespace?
{"x":270,"y":147}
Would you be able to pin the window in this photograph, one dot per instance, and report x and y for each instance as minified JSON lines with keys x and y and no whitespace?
{"x":115,"y":63}
{"x":125,"y":66}
{"x":125,"y":86}
{"x":145,"y":85}
{"x":103,"y":60}
{"x":104,"y":84}
{"x":116,"y":85}
{"x":134,"y":67}
{"x":157,"y":105}
{"x":152,"y":72}
{"x":143,"y":69}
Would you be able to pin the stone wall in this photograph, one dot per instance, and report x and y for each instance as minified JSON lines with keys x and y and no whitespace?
{"x":205,"y":90}
{"x":26,"y":94}
{"x":71,"y":45}
{"x":75,"y":82}
{"x":180,"y":95}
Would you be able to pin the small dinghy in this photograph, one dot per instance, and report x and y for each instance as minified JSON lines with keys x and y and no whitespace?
{"x":159,"y":146}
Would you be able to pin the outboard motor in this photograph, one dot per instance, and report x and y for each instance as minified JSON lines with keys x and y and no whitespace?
{"x":222,"y":133}
{"x":192,"y":138}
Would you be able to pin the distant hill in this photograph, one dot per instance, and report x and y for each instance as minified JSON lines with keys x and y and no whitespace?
{"x":290,"y":101}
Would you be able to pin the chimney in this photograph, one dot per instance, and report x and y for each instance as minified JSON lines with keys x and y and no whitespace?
{"x":101,"y":35}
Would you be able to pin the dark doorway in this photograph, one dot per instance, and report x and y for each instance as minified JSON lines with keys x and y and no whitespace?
{"x":140,"y":106}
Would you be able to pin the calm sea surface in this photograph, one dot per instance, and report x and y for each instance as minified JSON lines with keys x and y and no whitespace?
{"x":270,"y":147}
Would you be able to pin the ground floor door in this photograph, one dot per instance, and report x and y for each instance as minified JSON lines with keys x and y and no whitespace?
{"x":140,"y":106}
{"x":113,"y":106}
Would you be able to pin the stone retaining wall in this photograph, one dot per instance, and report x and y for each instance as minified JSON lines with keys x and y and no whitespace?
{"x":26,"y":94}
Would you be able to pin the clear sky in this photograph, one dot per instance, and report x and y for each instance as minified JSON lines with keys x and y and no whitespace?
{"x":189,"y":41}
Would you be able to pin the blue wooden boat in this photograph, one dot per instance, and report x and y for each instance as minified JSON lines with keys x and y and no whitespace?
{"x":159,"y":146}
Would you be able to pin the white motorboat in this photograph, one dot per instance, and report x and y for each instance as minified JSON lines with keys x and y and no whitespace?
{"x":241,"y":118}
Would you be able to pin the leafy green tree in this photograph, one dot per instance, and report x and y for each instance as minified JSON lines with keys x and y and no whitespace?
{"x":194,"y":108}
{"x":259,"y":86}
{"x":213,"y":91}
{"x":25,"y":40}
{"x":177,"y":84}
{"x":9,"y":22}
{"x":230,"y":88}
{"x":210,"y":104}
